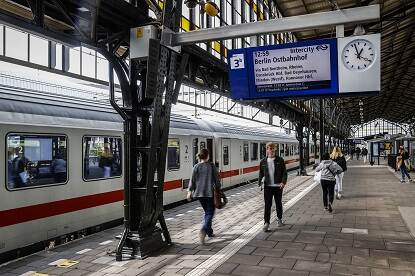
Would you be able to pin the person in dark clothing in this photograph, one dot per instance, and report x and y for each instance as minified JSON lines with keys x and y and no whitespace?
{"x":364,"y":154}
{"x":329,"y":169}
{"x":357,"y":153}
{"x":20,"y":162}
{"x":352,"y":151}
{"x":205,"y":178}
{"x":402,"y":163}
{"x":273,"y":174}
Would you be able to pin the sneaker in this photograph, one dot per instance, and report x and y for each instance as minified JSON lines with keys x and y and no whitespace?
{"x":330,"y":208}
{"x":280,"y":223}
{"x":266,"y":227}
{"x":410,"y":180}
{"x":339,"y":196}
{"x":402,"y":180}
{"x":326,"y":208}
{"x":202,"y":236}
{"x":211,"y":235}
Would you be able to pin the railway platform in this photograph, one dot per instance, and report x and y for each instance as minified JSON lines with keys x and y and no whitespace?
{"x":370,"y":232}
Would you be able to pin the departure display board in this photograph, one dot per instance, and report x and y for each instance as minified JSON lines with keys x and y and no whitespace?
{"x":301,"y":69}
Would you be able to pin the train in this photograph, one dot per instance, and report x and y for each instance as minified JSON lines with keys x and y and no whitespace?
{"x":62,"y":165}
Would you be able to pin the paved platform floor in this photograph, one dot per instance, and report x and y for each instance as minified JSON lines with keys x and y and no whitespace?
{"x":366,"y":235}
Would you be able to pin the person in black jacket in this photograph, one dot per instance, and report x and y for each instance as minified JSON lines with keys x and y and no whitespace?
{"x":273,"y":174}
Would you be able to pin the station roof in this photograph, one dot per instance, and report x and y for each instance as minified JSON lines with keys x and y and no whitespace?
{"x":396,"y":100}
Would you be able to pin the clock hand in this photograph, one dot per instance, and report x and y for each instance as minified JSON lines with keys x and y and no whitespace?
{"x":366,"y":59}
{"x":357,"y":51}
{"x":361,"y":50}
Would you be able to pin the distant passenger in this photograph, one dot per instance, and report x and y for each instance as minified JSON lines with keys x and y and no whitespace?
{"x":205,"y":178}
{"x":329,"y":169}
{"x":339,"y":158}
{"x":357,"y":153}
{"x":106,"y":161}
{"x":20,"y":162}
{"x":58,"y":168}
{"x":364,"y":154}
{"x":352,"y":151}
{"x":402,"y":163}
{"x":273,"y":174}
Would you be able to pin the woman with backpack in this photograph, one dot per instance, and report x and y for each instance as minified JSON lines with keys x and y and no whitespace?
{"x":329,"y":169}
{"x":338,"y":157}
{"x":204,"y":180}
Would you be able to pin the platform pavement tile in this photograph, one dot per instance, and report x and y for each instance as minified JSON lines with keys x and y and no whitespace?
{"x":226,"y":268}
{"x":338,"y":242}
{"x":245,"y":259}
{"x":261,"y":243}
{"x":286,"y":272}
{"x":247,"y":250}
{"x":190,"y":263}
{"x":370,"y":261}
{"x":300,"y":254}
{"x":312,"y":266}
{"x":401,"y":245}
{"x":389,"y":272}
{"x":290,"y":245}
{"x":309,"y":239}
{"x":278,"y":262}
{"x":320,"y":248}
{"x":348,"y":250}
{"x":334,"y":258}
{"x":343,"y":236}
{"x":249,"y":270}
{"x":271,"y":252}
{"x":302,"y":227}
{"x":329,"y":229}
{"x":375,"y":244}
{"x":343,"y":269}
{"x":402,"y":265}
{"x":285,"y":235}
{"x":113,"y":269}
{"x":76,"y":272}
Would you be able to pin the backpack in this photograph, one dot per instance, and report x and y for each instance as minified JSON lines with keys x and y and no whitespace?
{"x":341,"y":161}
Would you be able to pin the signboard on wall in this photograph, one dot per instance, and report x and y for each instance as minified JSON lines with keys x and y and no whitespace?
{"x":306,"y":69}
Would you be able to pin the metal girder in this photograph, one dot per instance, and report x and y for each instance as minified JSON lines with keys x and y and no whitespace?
{"x":288,"y":24}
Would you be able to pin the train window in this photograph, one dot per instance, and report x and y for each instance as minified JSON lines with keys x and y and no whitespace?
{"x":262,"y":150}
{"x":246,"y":152}
{"x":254,"y":151}
{"x":173,"y":154}
{"x":287,"y":151}
{"x":102,"y":157}
{"x":36,"y":160}
{"x":202,"y":145}
{"x":225,"y":155}
{"x":282,"y":150}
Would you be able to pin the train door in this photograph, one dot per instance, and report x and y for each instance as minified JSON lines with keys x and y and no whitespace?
{"x":225,"y":164}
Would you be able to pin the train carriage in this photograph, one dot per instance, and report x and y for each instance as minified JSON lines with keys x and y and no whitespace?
{"x":47,"y":133}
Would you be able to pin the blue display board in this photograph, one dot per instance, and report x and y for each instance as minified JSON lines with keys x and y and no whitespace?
{"x":301,"y":69}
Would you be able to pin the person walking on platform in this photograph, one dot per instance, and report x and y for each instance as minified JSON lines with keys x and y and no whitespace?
{"x":357,"y":153}
{"x":204,"y":180}
{"x":352,"y":151}
{"x":329,"y":169}
{"x":364,"y":154}
{"x":273,"y":174}
{"x":338,"y":157}
{"x":402,"y":163}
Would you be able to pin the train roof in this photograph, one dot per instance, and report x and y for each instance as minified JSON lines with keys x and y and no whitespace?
{"x":17,"y":100}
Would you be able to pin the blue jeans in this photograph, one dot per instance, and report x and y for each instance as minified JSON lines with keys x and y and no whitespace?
{"x":404,"y":171}
{"x":209,"y":208}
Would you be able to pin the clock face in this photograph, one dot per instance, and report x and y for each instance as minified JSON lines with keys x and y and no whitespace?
{"x":358,"y":55}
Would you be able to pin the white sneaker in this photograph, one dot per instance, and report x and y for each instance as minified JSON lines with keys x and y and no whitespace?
{"x":402,"y":181}
{"x":339,"y":195}
{"x":266,"y":227}
{"x":280,"y":223}
{"x":202,"y":236}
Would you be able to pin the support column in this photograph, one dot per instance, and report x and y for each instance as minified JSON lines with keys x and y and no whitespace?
{"x":300,"y":136}
{"x":307,"y":148}
{"x":315,"y":146}
{"x":321,"y":126}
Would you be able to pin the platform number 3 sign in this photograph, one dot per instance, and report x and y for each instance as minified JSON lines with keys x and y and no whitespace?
{"x":237,"y":61}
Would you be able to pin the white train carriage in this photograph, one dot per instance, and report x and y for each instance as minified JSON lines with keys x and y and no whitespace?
{"x":67,"y":184}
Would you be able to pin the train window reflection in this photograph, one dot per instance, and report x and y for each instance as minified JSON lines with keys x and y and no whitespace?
{"x":36,"y":160}
{"x":225,"y":155}
{"x":254,"y":151}
{"x":246,"y":152}
{"x":262,"y":150}
{"x":102,"y":157}
{"x":173,"y":154}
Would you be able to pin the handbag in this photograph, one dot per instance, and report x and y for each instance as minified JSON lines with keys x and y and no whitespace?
{"x":317,"y":176}
{"x":219,"y":198}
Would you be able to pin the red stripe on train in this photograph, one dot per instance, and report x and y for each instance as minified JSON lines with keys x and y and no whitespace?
{"x":171,"y":185}
{"x":250,"y":169}
{"x":229,"y":173}
{"x":38,"y":211}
